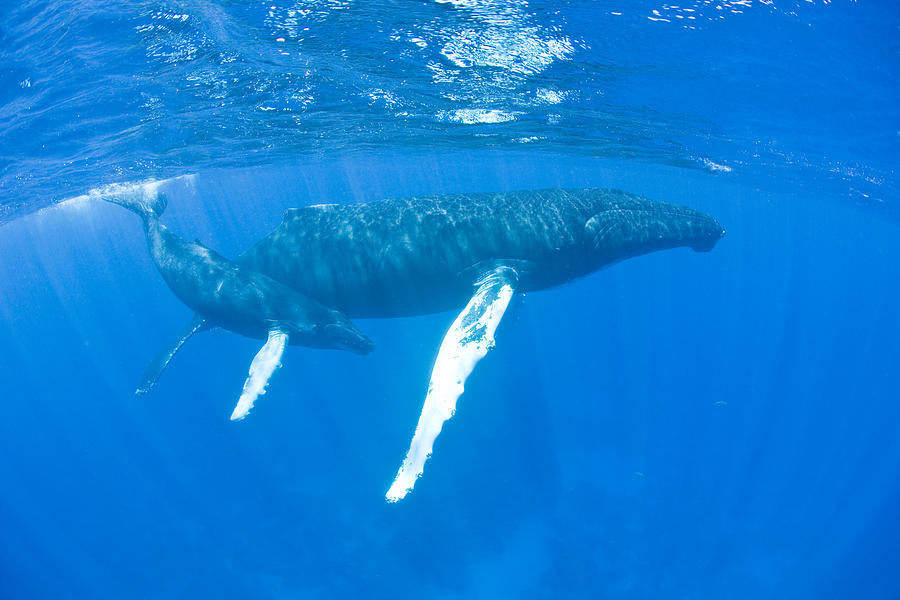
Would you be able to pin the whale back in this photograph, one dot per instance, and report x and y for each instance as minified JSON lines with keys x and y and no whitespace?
{"x":410,"y":256}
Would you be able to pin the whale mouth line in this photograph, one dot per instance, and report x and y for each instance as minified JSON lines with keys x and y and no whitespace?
{"x":352,"y":340}
{"x":361,"y":349}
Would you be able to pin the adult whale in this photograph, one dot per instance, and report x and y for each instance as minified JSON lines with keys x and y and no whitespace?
{"x":403,"y":257}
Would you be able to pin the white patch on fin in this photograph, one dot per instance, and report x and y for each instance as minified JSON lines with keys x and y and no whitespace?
{"x":264,"y":364}
{"x":466,"y":342}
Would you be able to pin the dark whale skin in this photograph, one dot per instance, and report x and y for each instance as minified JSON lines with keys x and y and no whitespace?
{"x":404,"y":257}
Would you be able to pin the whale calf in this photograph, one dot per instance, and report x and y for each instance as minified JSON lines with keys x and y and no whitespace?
{"x":234,"y":297}
{"x":412,"y":256}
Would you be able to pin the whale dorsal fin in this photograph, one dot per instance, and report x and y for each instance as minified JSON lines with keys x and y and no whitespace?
{"x":466,"y":342}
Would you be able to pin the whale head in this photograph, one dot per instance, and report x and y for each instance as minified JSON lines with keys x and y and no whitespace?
{"x":638,"y":226}
{"x":343,"y":335}
{"x":321,"y":327}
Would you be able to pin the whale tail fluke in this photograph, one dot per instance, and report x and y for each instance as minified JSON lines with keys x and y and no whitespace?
{"x":144,"y":199}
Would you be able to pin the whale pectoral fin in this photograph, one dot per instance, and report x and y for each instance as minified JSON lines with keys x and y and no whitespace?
{"x":161,"y":360}
{"x":466,"y":342}
{"x":264,"y":364}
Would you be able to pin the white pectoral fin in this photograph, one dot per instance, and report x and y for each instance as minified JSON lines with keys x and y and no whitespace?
{"x":264,"y":364}
{"x":466,"y":342}
{"x":161,"y":360}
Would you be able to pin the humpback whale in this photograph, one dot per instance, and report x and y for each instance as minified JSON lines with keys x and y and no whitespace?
{"x":412,"y":256}
{"x":234,"y":297}
{"x":404,"y":257}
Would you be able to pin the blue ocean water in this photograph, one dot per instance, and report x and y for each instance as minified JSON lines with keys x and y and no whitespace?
{"x":679,"y":425}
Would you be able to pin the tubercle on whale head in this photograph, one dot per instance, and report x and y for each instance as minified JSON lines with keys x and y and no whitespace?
{"x":707,"y":243}
{"x":681,"y":226}
{"x":626,"y":231}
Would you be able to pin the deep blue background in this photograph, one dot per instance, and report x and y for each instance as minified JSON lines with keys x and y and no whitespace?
{"x":680,"y":425}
